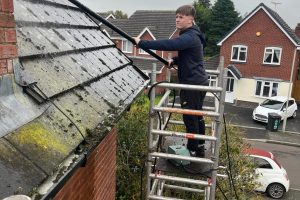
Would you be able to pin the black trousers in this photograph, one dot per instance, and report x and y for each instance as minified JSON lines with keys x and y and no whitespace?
{"x":194,"y":124}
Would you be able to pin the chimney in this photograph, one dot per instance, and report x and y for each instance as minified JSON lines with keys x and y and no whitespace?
{"x":297,"y":30}
{"x":8,"y":39}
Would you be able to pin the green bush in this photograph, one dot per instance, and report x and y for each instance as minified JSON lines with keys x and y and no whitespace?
{"x":131,"y":149}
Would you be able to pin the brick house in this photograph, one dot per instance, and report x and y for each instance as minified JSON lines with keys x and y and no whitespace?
{"x":262,"y":54}
{"x":63,"y":85}
{"x":149,"y":25}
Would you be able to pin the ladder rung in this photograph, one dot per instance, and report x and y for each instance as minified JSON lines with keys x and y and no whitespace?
{"x":164,"y":98}
{"x":177,"y":105}
{"x":184,"y":135}
{"x":190,"y":87}
{"x":183,"y":188}
{"x":179,"y":179}
{"x":187,"y":111}
{"x":213,"y":72}
{"x":182,"y":123}
{"x":178,"y":157}
{"x":162,"y":198}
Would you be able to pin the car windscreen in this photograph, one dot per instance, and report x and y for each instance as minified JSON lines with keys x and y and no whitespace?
{"x":272,"y":104}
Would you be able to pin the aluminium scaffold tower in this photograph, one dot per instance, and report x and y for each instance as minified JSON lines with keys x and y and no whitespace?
{"x":157,"y":178}
{"x":200,"y":175}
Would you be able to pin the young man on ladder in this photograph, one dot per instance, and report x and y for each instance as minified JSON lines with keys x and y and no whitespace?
{"x":189,"y":45}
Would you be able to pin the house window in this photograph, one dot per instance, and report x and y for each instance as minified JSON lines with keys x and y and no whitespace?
{"x":266,"y":88}
{"x":272,"y":55}
{"x":141,"y":51}
{"x":239,"y":53}
{"x":127,"y":46}
{"x":212,"y":81}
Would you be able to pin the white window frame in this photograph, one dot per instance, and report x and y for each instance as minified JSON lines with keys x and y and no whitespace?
{"x":266,"y":84}
{"x":272,"y":49}
{"x":127,"y":46}
{"x":141,"y":51}
{"x":212,"y":80}
{"x":239,"y":47}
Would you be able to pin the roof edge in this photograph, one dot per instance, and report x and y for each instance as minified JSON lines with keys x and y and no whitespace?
{"x":146,"y":29}
{"x":250,"y":15}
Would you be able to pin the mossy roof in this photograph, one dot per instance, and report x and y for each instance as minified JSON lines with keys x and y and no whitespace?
{"x":70,"y":82}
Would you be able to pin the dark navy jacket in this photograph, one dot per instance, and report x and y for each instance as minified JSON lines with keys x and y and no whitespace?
{"x":189,"y":45}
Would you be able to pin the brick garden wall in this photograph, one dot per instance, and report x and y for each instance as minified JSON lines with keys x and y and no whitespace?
{"x":97,"y":180}
{"x":8,"y":47}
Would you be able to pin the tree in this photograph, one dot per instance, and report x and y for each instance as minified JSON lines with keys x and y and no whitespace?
{"x":205,"y":3}
{"x":118,"y":14}
{"x":203,"y":15}
{"x":223,"y":19}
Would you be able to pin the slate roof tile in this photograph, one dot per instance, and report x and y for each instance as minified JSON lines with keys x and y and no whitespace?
{"x":77,"y":83}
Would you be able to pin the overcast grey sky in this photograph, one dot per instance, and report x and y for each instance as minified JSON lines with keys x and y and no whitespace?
{"x":288,"y":9}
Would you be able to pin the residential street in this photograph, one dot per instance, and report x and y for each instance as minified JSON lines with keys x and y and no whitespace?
{"x":286,"y":156}
{"x":285,"y":146}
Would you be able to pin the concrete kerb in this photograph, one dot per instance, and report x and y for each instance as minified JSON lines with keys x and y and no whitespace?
{"x":270,"y":140}
{"x":274,"y":142}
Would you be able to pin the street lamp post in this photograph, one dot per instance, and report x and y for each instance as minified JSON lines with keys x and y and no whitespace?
{"x":289,"y":92}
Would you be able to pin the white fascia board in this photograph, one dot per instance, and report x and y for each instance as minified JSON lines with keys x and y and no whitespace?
{"x":146,"y":30}
{"x":236,"y":28}
{"x":233,"y":74}
{"x":106,"y":33}
{"x":110,"y":15}
{"x":173,"y":33}
{"x":245,"y":20}
{"x":280,"y":27}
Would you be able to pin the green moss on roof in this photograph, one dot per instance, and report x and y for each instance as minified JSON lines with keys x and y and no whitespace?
{"x":36,"y":134}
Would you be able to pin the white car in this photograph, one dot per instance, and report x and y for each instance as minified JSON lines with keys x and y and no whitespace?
{"x":271,"y":176}
{"x":276,"y":104}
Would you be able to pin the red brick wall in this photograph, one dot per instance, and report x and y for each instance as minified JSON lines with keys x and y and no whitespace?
{"x":147,"y":36}
{"x":97,"y":180}
{"x":297,"y":30}
{"x":271,"y":35}
{"x":8,"y":48}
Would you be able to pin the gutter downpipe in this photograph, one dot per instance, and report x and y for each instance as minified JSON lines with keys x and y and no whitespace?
{"x":289,"y":91}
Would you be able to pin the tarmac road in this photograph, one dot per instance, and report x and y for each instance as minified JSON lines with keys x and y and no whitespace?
{"x":285,"y":146}
{"x":243,"y":117}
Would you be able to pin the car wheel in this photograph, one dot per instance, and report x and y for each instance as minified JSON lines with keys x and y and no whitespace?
{"x":294,"y":114}
{"x":275,"y":190}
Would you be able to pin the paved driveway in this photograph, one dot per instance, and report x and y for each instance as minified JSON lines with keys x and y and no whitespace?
{"x":243,"y":117}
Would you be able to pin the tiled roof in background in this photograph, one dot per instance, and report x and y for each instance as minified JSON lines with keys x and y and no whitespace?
{"x":282,"y":23}
{"x":146,"y":64}
{"x":212,"y":63}
{"x":136,"y":23}
{"x":78,"y":84}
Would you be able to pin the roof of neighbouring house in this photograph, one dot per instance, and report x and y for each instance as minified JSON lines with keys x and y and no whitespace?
{"x":70,"y":84}
{"x":212,"y":63}
{"x":275,"y":17}
{"x":161,"y":23}
{"x":146,"y":64}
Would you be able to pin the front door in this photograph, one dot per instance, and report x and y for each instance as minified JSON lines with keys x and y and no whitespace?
{"x":230,"y":88}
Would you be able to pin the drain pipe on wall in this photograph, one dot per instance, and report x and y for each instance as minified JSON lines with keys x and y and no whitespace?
{"x":289,"y":92}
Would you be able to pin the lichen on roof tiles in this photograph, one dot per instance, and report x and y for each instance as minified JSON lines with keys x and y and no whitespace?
{"x":78,"y":84}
